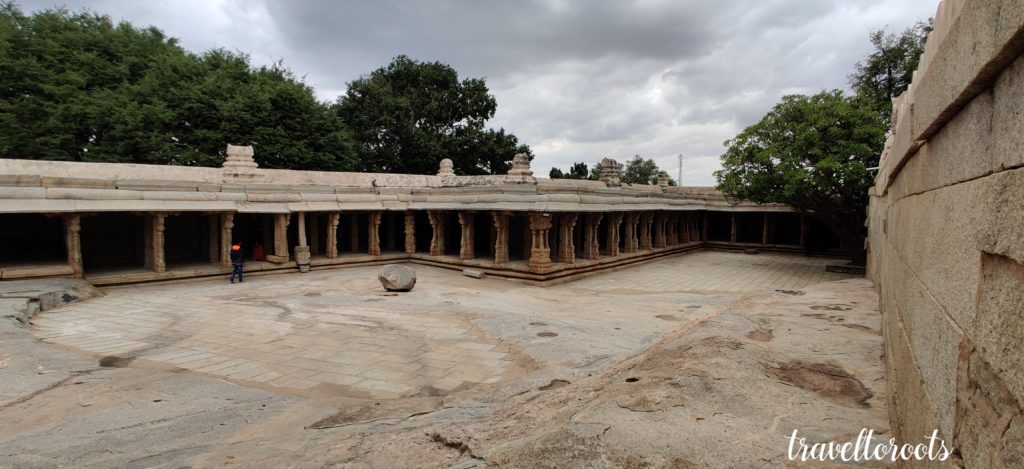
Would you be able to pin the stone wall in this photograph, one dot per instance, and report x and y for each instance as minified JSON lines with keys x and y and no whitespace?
{"x":946,"y":238}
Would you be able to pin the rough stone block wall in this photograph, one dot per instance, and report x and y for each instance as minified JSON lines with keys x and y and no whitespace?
{"x":946,"y":238}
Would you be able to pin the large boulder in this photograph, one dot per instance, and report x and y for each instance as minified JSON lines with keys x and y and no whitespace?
{"x":397,"y":278}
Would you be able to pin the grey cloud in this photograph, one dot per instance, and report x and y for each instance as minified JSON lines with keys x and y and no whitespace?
{"x":575,"y":79}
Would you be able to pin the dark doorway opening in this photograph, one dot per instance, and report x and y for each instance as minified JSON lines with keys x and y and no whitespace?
{"x":483,"y":235}
{"x":784,"y":228}
{"x":719,"y":226}
{"x":32,"y":239}
{"x":517,"y":231}
{"x":749,"y":227}
{"x":424,"y":232}
{"x":112,"y":241}
{"x":255,"y":232}
{"x":187,"y":239}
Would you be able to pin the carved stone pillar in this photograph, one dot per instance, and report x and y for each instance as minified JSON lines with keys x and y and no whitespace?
{"x":614,"y":220}
{"x":373,"y":232}
{"x":500,"y":236}
{"x":566,"y":248}
{"x":673,"y":233}
{"x":333,"y":220}
{"x":353,"y":232}
{"x":591,"y":237}
{"x":732,"y":227}
{"x":281,"y":221}
{"x":630,"y":241}
{"x":467,"y":249}
{"x":410,"y":232}
{"x":227,"y":224}
{"x":646,"y":225}
{"x":157,"y":261}
{"x":659,"y":230}
{"x":302,"y":250}
{"x":73,"y":241}
{"x":436,"y":218}
{"x":301,"y":229}
{"x":540,"y":251}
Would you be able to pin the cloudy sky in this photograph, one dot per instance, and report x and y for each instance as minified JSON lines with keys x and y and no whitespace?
{"x":575,"y":80}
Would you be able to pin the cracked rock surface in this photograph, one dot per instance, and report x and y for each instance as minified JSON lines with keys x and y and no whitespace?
{"x":625,"y":369}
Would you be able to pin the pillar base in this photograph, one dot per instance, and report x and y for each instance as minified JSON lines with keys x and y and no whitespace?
{"x":302,"y":258}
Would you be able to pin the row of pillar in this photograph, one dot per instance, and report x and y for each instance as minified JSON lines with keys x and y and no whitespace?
{"x":642,"y":231}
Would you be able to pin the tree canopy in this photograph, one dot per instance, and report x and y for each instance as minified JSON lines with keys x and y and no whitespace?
{"x":815,"y":153}
{"x":636,"y":171}
{"x":410,"y":115}
{"x":887,"y":70}
{"x":812,"y":153}
{"x":78,"y":87}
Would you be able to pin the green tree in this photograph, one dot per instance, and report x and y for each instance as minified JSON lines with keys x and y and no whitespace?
{"x":642,"y":171}
{"x":887,"y":70}
{"x":812,"y":153}
{"x":409,"y":115}
{"x":75,"y":86}
{"x":556,"y":173}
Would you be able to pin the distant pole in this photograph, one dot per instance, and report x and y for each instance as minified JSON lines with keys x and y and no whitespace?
{"x":680,"y":180}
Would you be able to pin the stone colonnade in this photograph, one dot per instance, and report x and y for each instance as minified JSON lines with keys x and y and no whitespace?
{"x":547,"y":238}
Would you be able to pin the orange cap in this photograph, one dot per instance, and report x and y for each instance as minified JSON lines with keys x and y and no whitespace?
{"x":236,"y":247}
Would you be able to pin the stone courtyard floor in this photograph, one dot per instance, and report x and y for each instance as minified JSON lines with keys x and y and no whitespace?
{"x":326,"y":369}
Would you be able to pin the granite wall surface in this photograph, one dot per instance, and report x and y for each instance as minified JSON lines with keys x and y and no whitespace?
{"x":946,"y":238}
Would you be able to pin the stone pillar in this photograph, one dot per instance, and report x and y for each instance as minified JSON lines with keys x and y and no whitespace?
{"x":410,"y":233}
{"x":764,"y":230}
{"x":353,"y":232}
{"x":227,"y":224}
{"x":436,"y":218}
{"x":213,"y":225}
{"x":591,"y":237}
{"x":630,"y":242}
{"x":373,"y":233}
{"x":659,"y":230}
{"x":704,"y":226}
{"x":73,"y":242}
{"x":732,"y":227}
{"x":614,"y":220}
{"x":314,"y":234}
{"x":333,"y":220}
{"x":302,"y":250}
{"x":500,"y":236}
{"x":157,"y":260}
{"x":540,"y":251}
{"x":566,"y":248}
{"x":673,"y":228}
{"x":280,"y":255}
{"x":646,"y":223}
{"x":467,"y":249}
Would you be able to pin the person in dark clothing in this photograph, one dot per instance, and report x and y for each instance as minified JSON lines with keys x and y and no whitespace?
{"x":236,"y":262}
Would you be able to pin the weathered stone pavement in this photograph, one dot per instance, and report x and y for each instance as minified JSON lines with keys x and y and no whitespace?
{"x":326,"y":369}
{"x":338,"y":330}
